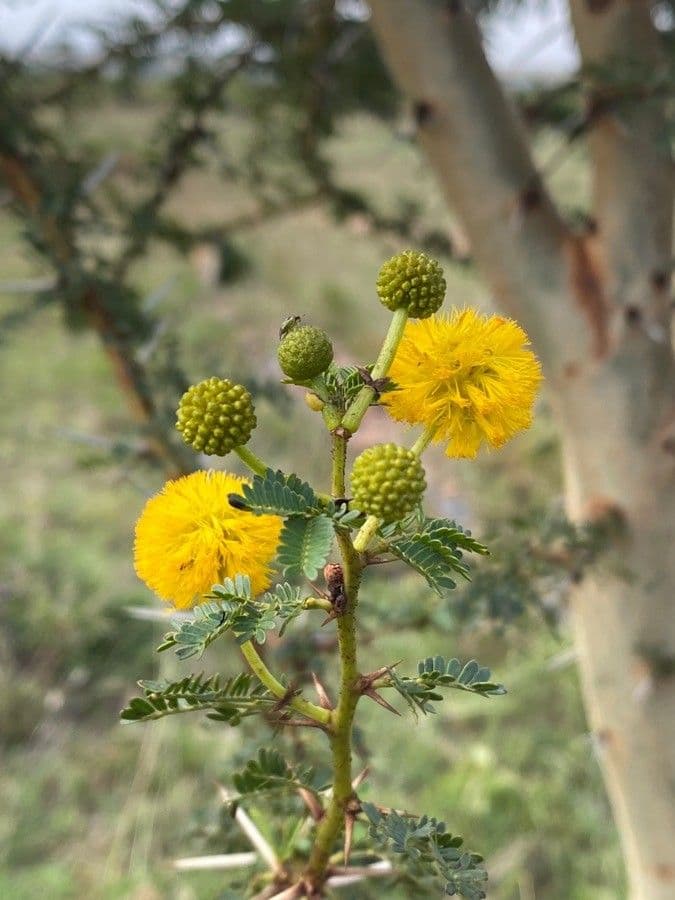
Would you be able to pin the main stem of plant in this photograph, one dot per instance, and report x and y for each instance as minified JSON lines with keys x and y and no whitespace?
{"x":342,"y":716}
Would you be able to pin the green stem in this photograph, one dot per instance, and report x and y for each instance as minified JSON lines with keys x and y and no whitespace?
{"x":366,"y":533}
{"x":248,"y":457}
{"x":423,"y":440}
{"x":260,"y":467}
{"x":260,"y":670}
{"x":342,"y":717}
{"x":352,"y":418}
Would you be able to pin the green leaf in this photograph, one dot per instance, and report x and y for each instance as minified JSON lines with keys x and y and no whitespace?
{"x":434,"y":673}
{"x":269,"y":771}
{"x":233,"y":609}
{"x":422,"y":843}
{"x":230,"y":701}
{"x":435,"y":549}
{"x":275,"y":493}
{"x":209,"y":620}
{"x":305,"y":545}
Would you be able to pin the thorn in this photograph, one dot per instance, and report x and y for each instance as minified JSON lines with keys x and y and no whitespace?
{"x":329,"y":618}
{"x":300,"y":723}
{"x":378,"y":698}
{"x":360,"y":778}
{"x":350,"y":818}
{"x":252,"y":832}
{"x":312,"y":803}
{"x":324,"y":699}
{"x":365,"y":682}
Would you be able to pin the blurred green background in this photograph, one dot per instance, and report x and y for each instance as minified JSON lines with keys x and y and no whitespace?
{"x":89,"y":808}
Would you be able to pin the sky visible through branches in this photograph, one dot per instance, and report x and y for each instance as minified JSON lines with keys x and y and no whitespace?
{"x":534,"y":40}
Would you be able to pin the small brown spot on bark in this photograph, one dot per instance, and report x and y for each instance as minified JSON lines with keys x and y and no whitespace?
{"x":664,"y":872}
{"x":598,"y":6}
{"x":660,"y":280}
{"x":633,"y":315}
{"x":605,"y":736}
{"x":587,"y":284}
{"x":599,"y":509}
{"x":530,"y":198}
{"x":423,"y":111}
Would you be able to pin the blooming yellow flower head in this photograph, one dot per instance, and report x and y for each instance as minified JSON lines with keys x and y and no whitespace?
{"x":189,"y":538}
{"x":468,"y":377}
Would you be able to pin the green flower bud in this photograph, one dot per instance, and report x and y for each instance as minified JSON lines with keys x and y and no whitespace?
{"x":412,"y":281}
{"x":387,"y":482}
{"x":215,"y":416}
{"x":304,"y":352}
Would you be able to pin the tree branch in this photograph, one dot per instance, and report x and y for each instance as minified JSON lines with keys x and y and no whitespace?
{"x":625,"y":74}
{"x":479,"y":150}
{"x":129,"y":373}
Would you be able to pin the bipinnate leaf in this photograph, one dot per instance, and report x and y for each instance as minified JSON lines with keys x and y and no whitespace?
{"x":233,"y":609}
{"x":305,"y":545}
{"x":435,"y":673}
{"x":227,"y":701}
{"x":269,"y":771}
{"x":435,"y":548}
{"x":277,"y":494}
{"x":422,"y":843}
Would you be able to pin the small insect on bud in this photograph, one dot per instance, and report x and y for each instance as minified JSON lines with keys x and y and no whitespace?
{"x":412,"y":281}
{"x":215,"y":416}
{"x":304,"y":352}
{"x":335,"y":585}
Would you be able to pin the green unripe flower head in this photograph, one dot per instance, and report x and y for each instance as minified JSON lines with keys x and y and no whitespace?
{"x":387,"y":481}
{"x":412,"y":281}
{"x":215,"y":416}
{"x":304,"y":352}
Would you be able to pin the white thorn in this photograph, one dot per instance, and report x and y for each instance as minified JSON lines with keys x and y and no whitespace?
{"x":217,"y":861}
{"x":250,"y":829}
{"x":353,"y":874}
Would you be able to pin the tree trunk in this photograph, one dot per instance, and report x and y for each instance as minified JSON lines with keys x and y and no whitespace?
{"x":597,"y":307}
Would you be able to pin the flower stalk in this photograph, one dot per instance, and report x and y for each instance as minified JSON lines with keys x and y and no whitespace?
{"x":300,"y":705}
{"x":342,"y":717}
{"x":354,"y":415}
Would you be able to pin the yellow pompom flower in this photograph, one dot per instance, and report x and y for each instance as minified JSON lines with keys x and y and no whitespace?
{"x":468,"y":378}
{"x":189,"y":538}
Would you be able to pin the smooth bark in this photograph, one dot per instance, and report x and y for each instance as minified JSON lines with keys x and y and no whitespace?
{"x":596,"y":305}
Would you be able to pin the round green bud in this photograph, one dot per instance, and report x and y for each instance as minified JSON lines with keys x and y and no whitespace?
{"x":387,"y":482}
{"x":304,"y":352}
{"x":412,"y":281}
{"x":215,"y":416}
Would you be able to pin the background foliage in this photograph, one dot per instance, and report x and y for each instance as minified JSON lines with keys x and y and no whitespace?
{"x":171,"y":217}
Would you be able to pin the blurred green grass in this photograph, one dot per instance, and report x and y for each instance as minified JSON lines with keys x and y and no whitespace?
{"x":89,"y":808}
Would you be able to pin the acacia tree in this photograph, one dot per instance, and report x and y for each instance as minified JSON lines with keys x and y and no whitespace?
{"x":597,"y":303}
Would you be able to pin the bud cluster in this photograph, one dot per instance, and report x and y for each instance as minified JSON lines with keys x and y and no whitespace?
{"x":215,"y":416}
{"x":412,"y":281}
{"x":387,"y":481}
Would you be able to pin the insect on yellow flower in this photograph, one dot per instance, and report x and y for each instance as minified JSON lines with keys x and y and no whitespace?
{"x":189,"y":538}
{"x":468,"y":378}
